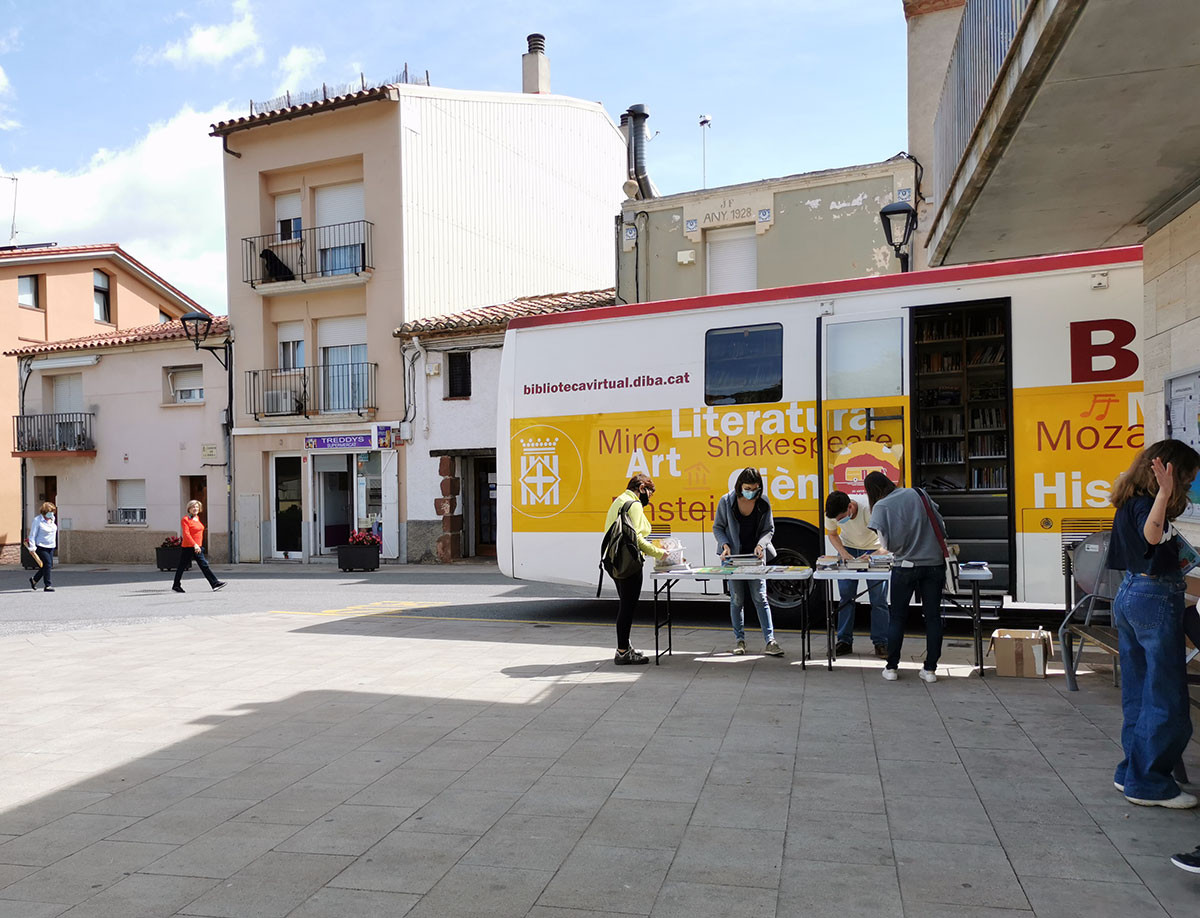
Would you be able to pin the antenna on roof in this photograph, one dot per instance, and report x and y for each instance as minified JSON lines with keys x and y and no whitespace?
{"x":12,"y":231}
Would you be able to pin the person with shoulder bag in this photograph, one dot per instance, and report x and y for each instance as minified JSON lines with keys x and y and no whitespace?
{"x":622,"y":551}
{"x":43,"y":540}
{"x":744,"y":524}
{"x":1148,"y":611}
{"x":192,"y":536}
{"x":910,"y":527}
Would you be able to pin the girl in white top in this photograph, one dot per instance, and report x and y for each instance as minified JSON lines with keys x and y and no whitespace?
{"x":43,"y":539}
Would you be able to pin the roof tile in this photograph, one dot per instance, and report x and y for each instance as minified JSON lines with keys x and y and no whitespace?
{"x":167,"y":331}
{"x":496,"y":318}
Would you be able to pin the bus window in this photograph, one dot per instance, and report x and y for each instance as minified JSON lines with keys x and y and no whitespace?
{"x":743,"y":365}
{"x":864,"y":359}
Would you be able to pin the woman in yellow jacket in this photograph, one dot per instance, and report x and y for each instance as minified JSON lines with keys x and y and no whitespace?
{"x":629,"y":589}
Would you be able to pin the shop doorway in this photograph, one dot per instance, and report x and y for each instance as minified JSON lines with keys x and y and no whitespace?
{"x":335,"y":501}
{"x":483,"y":473}
{"x":286,"y":513}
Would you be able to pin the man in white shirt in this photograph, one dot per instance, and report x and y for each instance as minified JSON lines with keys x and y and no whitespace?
{"x":847,"y":522}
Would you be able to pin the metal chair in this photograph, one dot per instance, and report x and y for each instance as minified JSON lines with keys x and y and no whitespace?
{"x":1089,"y":565}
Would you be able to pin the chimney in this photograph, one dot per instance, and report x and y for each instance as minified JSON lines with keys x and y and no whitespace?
{"x":535,"y":66}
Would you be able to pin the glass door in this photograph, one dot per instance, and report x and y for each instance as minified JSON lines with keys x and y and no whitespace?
{"x":344,"y":377}
{"x":287,"y":516}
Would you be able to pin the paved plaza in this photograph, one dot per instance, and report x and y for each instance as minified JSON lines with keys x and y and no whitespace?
{"x":389,"y":759}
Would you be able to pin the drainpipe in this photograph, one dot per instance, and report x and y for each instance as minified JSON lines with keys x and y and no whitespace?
{"x":637,"y":130}
{"x":24,"y":374}
{"x":424,"y":372}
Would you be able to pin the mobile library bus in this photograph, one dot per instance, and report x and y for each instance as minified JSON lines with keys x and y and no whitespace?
{"x":1011,"y":391}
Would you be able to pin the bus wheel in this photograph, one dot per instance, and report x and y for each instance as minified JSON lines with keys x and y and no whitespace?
{"x":788,"y":594}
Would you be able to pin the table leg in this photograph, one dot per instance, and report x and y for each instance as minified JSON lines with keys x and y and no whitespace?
{"x":829,"y":617}
{"x":657,"y":587}
{"x":977,"y":624}
{"x":670,"y":652}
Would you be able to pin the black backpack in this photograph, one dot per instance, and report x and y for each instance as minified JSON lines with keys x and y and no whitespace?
{"x":620,"y":556}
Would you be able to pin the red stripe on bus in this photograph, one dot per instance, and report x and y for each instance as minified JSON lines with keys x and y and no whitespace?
{"x":952,"y":274}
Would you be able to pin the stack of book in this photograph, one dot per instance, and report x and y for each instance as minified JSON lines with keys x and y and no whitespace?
{"x":881,"y":562}
{"x":827,"y":562}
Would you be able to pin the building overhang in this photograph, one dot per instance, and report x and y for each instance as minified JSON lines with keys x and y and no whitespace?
{"x":1090,"y":138}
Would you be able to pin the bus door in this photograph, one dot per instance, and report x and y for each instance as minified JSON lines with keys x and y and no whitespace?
{"x":862,"y":405}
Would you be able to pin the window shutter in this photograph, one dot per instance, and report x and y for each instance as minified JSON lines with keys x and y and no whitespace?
{"x":68,"y":393}
{"x":459,"y":369}
{"x":342,"y":332}
{"x":287,"y":206}
{"x":289,"y":331}
{"x":339,"y":204}
{"x":188,"y":378}
{"x":131,"y":494}
{"x":732,"y":258}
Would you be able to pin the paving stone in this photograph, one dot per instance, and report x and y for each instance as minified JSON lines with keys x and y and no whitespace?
{"x":979,"y":875}
{"x":566,"y":795}
{"x":957,"y":820}
{"x":677,"y":784}
{"x":929,"y":779}
{"x":144,"y":896}
{"x":734,"y":806}
{"x":300,"y":803}
{"x":346,"y":830}
{"x":13,"y":909}
{"x":150,"y":797}
{"x":469,"y":890}
{"x":623,"y":880}
{"x":701,"y":900}
{"x":355,"y":903}
{"x":406,"y":787}
{"x":461,"y":812}
{"x":845,"y":890}
{"x":84,"y":873}
{"x":847,"y":838}
{"x":270,"y":887}
{"x":740,"y":857}
{"x":1059,"y":898}
{"x":60,"y":838}
{"x":631,"y":823}
{"x":1071,"y":852}
{"x":843,"y":793}
{"x":405,"y":861}
{"x":221,"y":852}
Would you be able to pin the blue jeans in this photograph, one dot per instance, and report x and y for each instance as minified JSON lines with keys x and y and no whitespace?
{"x":925,"y":581}
{"x":1148,"y":612}
{"x":755,"y":590}
{"x":848,"y":590}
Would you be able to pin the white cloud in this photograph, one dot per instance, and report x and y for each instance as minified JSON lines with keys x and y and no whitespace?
{"x":216,"y":44}
{"x":8,"y":40}
{"x":161,"y":199}
{"x":5,"y":86}
{"x":6,"y":123}
{"x":296,"y":67}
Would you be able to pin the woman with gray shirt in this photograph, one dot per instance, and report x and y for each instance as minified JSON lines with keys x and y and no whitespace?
{"x":901,"y":516}
{"x":743,"y":525}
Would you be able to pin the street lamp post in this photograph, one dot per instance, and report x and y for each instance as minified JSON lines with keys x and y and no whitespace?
{"x":197,"y":326}
{"x":899,"y":220}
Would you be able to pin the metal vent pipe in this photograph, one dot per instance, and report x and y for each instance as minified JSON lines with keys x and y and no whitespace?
{"x":637,"y":132}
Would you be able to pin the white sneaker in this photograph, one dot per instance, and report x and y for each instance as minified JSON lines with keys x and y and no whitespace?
{"x":928,"y":675}
{"x":1120,"y":787}
{"x":1181,"y":801}
{"x":891,"y":675}
{"x":740,"y":648}
{"x":773,"y":649}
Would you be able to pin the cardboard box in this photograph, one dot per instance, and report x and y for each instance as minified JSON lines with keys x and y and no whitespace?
{"x":1025,"y":654}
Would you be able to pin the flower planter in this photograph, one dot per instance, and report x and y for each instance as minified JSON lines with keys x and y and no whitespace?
{"x":167,"y":559}
{"x":358,"y":557}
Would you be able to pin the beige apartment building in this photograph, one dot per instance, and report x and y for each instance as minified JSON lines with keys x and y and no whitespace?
{"x":346,"y":217}
{"x":51,"y":293}
{"x":797,"y":229}
{"x":147,"y":438}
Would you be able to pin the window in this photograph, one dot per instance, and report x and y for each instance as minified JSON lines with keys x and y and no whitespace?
{"x":345,"y":379}
{"x":163,"y":318}
{"x":458,"y":374}
{"x":743,"y":365}
{"x":185,"y":384}
{"x":287,"y":216}
{"x":100,"y":296}
{"x":290,"y":336}
{"x":864,"y":359}
{"x":731,"y":259}
{"x":127,"y":498}
{"x":340,"y":214}
{"x":27,"y":291}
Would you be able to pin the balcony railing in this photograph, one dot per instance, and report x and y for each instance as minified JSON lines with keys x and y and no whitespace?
{"x":320,"y":251}
{"x":330,"y":388}
{"x":985,"y":35}
{"x":53,"y":433}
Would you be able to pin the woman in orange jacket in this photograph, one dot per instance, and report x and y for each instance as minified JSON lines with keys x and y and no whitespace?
{"x":192,"y":532}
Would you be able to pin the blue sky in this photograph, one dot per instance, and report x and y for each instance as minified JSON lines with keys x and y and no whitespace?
{"x":105,"y":105}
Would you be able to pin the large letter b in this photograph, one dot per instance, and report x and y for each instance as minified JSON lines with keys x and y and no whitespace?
{"x":1085,"y":348}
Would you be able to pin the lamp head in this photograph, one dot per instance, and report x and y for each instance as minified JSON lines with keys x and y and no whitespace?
{"x":899,"y":220}
{"x":196,"y":326}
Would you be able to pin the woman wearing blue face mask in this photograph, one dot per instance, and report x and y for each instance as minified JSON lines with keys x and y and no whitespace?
{"x":43,"y":539}
{"x":743,"y":525}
